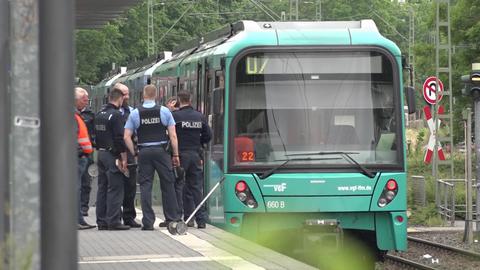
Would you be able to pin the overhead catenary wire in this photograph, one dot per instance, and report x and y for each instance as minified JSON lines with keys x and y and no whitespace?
{"x":269,"y":9}
{"x":263,"y":9}
{"x":222,"y":13}
{"x":390,"y":26}
{"x":179,"y":18}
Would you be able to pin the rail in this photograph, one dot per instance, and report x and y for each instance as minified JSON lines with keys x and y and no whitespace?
{"x":467,"y":253}
{"x":405,"y":263}
{"x":446,"y":199}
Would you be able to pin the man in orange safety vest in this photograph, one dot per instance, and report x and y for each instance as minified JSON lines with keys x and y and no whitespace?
{"x":84,"y":149}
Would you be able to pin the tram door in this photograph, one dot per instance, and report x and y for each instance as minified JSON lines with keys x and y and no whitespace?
{"x":215,"y":108}
{"x":213,"y":160}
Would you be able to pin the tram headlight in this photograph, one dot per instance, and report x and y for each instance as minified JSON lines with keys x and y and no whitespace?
{"x":390,"y":195}
{"x":382,"y":202}
{"x":389,"y":192}
{"x":244,"y":194}
{"x":251,"y":203}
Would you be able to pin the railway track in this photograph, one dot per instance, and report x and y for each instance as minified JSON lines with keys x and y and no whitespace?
{"x":446,"y":257}
{"x":405,"y":263}
{"x":442,"y":247}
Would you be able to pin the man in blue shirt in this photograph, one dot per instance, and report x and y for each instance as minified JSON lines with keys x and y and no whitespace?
{"x":151,"y":123}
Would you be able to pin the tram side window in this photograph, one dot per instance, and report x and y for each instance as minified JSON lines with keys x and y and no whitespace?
{"x":139,"y":97}
{"x":193,"y":91}
{"x":218,"y":107}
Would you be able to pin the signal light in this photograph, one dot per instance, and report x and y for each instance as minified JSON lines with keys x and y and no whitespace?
{"x":391,"y":184}
{"x":241,"y":186}
{"x":233,"y":220}
{"x":472,"y":82}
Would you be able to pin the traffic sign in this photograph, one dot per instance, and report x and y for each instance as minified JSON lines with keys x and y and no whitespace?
{"x":431,"y":93}
{"x":433,"y":133}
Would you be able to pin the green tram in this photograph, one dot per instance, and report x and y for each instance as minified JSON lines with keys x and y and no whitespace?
{"x":307,"y":121}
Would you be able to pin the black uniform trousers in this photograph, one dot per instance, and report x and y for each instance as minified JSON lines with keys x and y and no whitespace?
{"x":193,"y":190}
{"x":110,"y":190}
{"x":82,"y":167}
{"x":86,"y":188}
{"x":130,"y":189}
{"x":151,"y":159}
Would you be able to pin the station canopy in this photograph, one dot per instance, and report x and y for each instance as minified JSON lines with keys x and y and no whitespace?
{"x":96,"y":13}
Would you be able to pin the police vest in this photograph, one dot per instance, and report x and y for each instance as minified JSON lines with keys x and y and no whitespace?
{"x":188,"y":126}
{"x":151,"y":128}
{"x":103,"y":130}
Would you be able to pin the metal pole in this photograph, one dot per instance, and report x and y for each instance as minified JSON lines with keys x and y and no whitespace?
{"x":4,"y":130}
{"x":290,"y":10}
{"x":468,"y":237}
{"x":476,"y":68}
{"x":296,"y":10}
{"x":58,"y":156}
{"x":477,"y":154}
{"x":320,"y":10}
{"x":24,"y":137}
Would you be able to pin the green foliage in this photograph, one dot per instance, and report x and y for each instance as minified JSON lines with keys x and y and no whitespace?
{"x":425,"y":216}
{"x":124,"y":40}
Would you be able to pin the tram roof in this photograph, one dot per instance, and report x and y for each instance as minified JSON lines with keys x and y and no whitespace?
{"x":96,"y":13}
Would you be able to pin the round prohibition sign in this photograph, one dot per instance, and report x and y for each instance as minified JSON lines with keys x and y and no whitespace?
{"x":431,"y":93}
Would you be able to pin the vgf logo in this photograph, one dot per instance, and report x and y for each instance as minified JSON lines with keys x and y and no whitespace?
{"x":278,"y":188}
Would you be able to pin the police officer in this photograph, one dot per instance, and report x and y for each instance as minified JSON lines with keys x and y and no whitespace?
{"x":130,"y":188}
{"x":151,"y":123}
{"x":112,"y":162}
{"x":193,"y":132}
{"x":172,"y":104}
{"x":81,"y":105}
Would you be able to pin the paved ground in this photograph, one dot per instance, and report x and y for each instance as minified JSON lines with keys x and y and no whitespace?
{"x":459,"y":226}
{"x":211,"y":248}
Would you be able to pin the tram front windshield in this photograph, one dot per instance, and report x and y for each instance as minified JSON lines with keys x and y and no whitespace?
{"x":298,"y":104}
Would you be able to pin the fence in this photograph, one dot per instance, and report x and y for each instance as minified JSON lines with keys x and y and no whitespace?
{"x":446,"y":199}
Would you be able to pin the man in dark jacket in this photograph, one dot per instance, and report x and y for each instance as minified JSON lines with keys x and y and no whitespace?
{"x":192,"y":132}
{"x":112,"y":163}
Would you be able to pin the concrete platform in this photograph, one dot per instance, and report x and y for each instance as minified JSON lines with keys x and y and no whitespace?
{"x":459,"y":225}
{"x":210,"y":248}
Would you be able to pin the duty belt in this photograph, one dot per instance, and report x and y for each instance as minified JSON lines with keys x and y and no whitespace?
{"x":163,"y":145}
{"x":197,"y":150}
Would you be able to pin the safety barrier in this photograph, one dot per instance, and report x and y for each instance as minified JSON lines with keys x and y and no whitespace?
{"x":446,"y":199}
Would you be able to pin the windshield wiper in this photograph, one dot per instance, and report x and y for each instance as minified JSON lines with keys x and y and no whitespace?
{"x":269,"y":172}
{"x":345,"y":155}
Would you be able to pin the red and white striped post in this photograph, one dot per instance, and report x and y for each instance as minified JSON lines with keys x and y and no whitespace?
{"x":433,"y":133}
